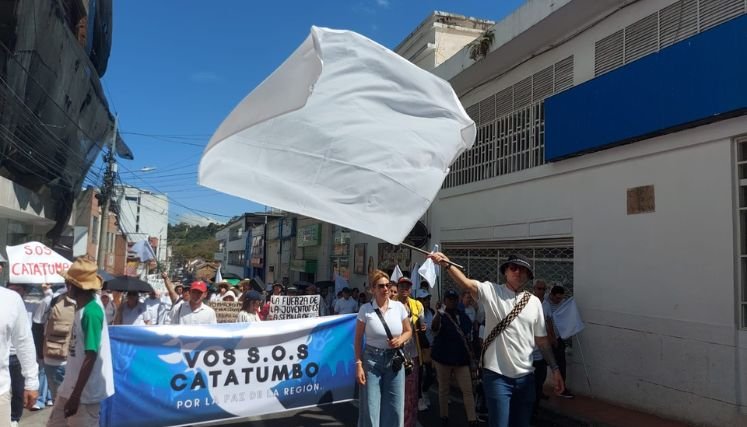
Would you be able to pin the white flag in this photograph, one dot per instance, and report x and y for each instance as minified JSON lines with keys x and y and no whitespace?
{"x":218,"y":276}
{"x":340,"y":284}
{"x":396,"y":274}
{"x":343,"y":127}
{"x":568,"y":319}
{"x":428,"y":271}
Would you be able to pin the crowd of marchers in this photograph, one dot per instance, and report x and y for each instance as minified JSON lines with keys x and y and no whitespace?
{"x":496,"y":342}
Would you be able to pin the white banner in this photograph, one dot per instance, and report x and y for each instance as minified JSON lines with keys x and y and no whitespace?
{"x":294,"y":307}
{"x":36,"y":263}
{"x":156,"y":282}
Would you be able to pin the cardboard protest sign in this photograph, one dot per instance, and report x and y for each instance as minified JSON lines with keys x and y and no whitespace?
{"x":294,"y":307}
{"x":156,"y":281}
{"x":226,"y":311}
{"x":35,"y":263}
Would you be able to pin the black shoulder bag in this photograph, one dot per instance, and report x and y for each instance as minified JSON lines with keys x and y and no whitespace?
{"x":400,"y":358}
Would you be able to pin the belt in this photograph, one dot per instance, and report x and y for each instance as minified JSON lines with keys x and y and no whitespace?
{"x":378,"y":351}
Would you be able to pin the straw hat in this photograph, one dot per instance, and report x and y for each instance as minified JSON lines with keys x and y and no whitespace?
{"x":83,"y":274}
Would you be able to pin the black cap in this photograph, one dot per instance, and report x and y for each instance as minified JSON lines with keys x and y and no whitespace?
{"x":517,"y":260}
{"x":451,"y":294}
{"x":253,"y":296}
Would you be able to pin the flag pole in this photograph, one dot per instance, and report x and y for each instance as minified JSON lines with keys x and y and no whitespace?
{"x":424,"y":252}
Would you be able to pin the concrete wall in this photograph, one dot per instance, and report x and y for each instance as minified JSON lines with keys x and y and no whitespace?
{"x":657,"y":289}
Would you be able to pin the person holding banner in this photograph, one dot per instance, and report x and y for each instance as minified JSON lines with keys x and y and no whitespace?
{"x":382,"y":388}
{"x":250,"y":307}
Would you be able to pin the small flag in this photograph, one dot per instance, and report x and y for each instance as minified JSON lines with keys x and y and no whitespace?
{"x":428,"y":271}
{"x":396,"y":274}
{"x":143,"y":251}
{"x":218,"y":276}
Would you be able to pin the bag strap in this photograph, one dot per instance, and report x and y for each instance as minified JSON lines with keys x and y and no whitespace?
{"x":461,"y":334}
{"x":503,"y":324}
{"x":386,"y":327}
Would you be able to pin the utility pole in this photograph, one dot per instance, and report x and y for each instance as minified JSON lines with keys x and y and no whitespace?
{"x":106,"y":197}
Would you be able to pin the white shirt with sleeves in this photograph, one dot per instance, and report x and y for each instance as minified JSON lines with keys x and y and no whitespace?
{"x":511,"y":352}
{"x":182,"y":314}
{"x":15,"y":330}
{"x":375,"y":333}
{"x":346,"y":306}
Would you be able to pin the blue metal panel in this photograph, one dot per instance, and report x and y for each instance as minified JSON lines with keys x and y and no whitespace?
{"x":698,"y":80}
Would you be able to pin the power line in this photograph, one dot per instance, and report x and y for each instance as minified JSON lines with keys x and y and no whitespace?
{"x":176,"y":202}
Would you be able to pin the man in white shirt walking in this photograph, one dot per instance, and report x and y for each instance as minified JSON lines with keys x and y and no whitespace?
{"x":89,"y":376}
{"x":15,"y":331}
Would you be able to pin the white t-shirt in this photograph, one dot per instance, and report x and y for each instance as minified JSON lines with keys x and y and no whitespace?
{"x":154,"y":309}
{"x":346,"y":306}
{"x":139,"y":315}
{"x":182,"y":314}
{"x":375,"y":333}
{"x":511,"y":352}
{"x":245,"y":317}
{"x":89,"y":332}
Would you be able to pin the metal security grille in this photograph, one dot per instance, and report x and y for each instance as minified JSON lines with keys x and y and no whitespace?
{"x":663,"y":28}
{"x":510,"y":127}
{"x":741,"y":196}
{"x":552,"y":260}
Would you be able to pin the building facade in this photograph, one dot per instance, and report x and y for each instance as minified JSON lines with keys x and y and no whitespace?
{"x":87,"y":238}
{"x":144,"y":215}
{"x":610,"y":150}
{"x":55,"y":117}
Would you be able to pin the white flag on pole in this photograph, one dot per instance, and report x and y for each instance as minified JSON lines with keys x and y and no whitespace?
{"x":428,"y":271}
{"x":396,"y":274}
{"x":343,"y":127}
{"x":218,"y":276}
{"x":568,"y":319}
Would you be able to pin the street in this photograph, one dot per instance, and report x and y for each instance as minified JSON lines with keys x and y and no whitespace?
{"x":343,"y":414}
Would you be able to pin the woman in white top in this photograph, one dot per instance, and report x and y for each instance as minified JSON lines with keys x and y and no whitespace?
{"x":250,"y":307}
{"x":382,"y":390}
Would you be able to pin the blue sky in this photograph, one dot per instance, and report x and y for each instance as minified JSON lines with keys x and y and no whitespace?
{"x":178,"y":67}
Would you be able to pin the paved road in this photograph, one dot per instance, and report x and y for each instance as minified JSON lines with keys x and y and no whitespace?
{"x":341,"y":414}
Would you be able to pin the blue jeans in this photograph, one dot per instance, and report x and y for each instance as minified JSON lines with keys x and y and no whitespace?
{"x":509,"y":400}
{"x":382,"y":398}
{"x":44,"y":393}
{"x":55,"y":375}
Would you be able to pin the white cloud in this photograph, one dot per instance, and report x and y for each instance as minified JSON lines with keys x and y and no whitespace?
{"x":204,"y":76}
{"x":195,"y":219}
{"x":383,"y":3}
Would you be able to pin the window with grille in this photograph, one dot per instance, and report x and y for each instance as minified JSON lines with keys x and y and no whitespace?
{"x":741,"y":196}
{"x":662,"y":28}
{"x":236,"y":258}
{"x":551,"y":260}
{"x":510,"y":127}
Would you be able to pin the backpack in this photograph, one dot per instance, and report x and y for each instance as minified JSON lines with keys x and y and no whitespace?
{"x":59,"y":327}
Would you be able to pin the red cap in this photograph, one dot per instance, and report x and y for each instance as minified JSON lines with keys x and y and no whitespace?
{"x":199,"y":285}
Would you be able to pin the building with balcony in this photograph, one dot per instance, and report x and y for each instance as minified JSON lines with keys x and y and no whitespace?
{"x":611,"y":150}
